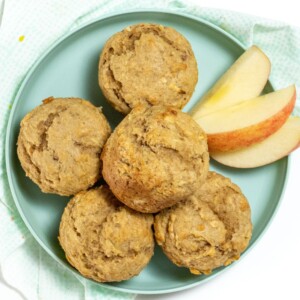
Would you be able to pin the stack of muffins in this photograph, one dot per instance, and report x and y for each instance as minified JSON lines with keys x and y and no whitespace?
{"x":155,"y":165}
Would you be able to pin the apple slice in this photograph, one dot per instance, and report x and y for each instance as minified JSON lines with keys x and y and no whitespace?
{"x":276,"y":146}
{"x":244,"y":80}
{"x":249,"y":122}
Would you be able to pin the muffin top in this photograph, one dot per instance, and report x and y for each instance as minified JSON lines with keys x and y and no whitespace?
{"x":147,"y":64}
{"x":103,"y":239}
{"x":156,"y":157}
{"x":208,"y":230}
{"x":60,"y":142}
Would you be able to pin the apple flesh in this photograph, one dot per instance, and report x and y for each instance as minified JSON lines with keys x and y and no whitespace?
{"x":276,"y":146}
{"x":244,"y":80}
{"x":249,"y":122}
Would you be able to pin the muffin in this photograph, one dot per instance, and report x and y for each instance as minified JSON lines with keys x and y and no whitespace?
{"x":156,"y":157}
{"x":59,"y":145}
{"x":208,"y":230}
{"x":103,"y":239}
{"x":147,"y":64}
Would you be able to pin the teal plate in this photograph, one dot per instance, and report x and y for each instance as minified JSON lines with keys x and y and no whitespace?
{"x":70,"y":68}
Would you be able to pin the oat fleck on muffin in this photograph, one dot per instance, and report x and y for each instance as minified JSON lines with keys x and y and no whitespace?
{"x":103,"y":239}
{"x":59,"y":145}
{"x":208,"y":230}
{"x":147,"y":64}
{"x":156,"y":157}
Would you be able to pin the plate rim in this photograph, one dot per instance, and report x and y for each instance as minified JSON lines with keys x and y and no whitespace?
{"x":8,"y":133}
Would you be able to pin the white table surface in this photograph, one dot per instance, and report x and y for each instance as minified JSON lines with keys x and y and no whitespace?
{"x":269,"y":270}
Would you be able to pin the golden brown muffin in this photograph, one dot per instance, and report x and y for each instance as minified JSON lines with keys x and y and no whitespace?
{"x":147,"y":64}
{"x":208,"y":230}
{"x":156,"y":157}
{"x":59,"y":145}
{"x":103,"y":239}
